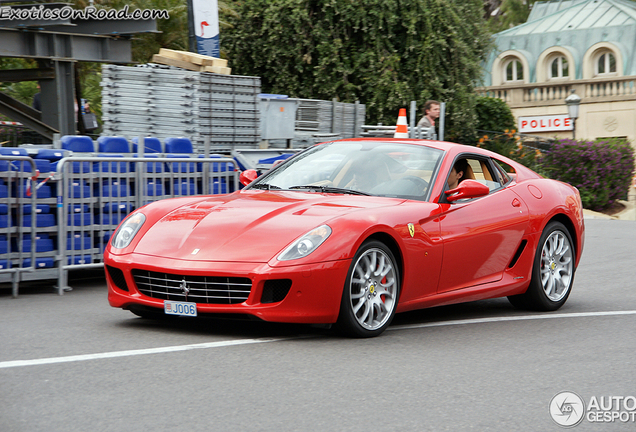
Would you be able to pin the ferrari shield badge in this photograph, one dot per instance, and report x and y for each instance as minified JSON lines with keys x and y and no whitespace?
{"x":411,"y":229}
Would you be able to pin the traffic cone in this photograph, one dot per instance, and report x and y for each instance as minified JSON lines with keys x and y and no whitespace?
{"x":401,"y":130}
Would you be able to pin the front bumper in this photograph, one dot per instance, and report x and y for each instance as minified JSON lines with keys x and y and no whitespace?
{"x":314,"y":296}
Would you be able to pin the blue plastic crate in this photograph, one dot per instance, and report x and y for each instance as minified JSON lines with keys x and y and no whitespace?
{"x":178,"y":145}
{"x":44,"y":262}
{"x":112,"y":167}
{"x":114,"y":188}
{"x":43,"y":165}
{"x":79,"y":259}
{"x":79,"y":219}
{"x":118,"y":207}
{"x":219,"y":187}
{"x":79,"y":189}
{"x":4,"y":220}
{"x":78,"y":143}
{"x":151,"y":167}
{"x":110,"y":218}
{"x":4,"y":209}
{"x":184,"y":187}
{"x":39,"y":208}
{"x":181,"y":167}
{"x":4,"y":246}
{"x":76,"y":241}
{"x":274,"y":159}
{"x":78,"y":208}
{"x":154,"y":188}
{"x":41,"y":245}
{"x":113,"y":144}
{"x":41,"y":220}
{"x":52,"y":155}
{"x":151,"y":145}
{"x":216,"y":167}
{"x":83,"y":167}
{"x":4,"y":264}
{"x":22,"y":189}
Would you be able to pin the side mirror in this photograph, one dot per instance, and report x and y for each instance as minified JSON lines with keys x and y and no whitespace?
{"x":467,"y":189}
{"x":248,"y":176}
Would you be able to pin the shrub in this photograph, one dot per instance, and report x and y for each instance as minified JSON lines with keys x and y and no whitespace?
{"x":509,"y":144}
{"x":493,"y":114}
{"x":602,"y":170}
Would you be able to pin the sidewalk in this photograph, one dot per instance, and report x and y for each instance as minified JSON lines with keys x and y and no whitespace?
{"x":628,"y":213}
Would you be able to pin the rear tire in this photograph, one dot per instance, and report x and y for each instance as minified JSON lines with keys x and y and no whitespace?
{"x":371,"y":292}
{"x":552,"y":272}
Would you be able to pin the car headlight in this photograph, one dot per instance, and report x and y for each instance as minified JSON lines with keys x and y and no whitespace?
{"x":306,"y":244}
{"x":127,"y":231}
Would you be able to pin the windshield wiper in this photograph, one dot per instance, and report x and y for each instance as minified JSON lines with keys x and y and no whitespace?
{"x":330,"y":189}
{"x":265,"y":186}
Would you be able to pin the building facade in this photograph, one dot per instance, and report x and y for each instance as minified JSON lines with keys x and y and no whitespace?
{"x":588,"y":46}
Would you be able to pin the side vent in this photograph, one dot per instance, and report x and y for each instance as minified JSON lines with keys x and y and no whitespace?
{"x":117,"y":276}
{"x":275,"y":290}
{"x":515,"y":258}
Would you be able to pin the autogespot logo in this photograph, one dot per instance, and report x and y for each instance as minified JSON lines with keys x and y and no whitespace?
{"x":567,"y":409}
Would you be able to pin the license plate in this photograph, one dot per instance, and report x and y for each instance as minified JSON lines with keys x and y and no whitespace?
{"x":180,"y":308}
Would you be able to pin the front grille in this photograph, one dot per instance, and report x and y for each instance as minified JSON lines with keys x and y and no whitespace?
{"x":200,"y":289}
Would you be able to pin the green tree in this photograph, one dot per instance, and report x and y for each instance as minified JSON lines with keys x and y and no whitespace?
{"x":507,"y":13}
{"x":384,"y":53}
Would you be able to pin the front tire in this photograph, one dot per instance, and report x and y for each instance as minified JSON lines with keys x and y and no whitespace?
{"x":552,"y":272}
{"x":371,"y":291}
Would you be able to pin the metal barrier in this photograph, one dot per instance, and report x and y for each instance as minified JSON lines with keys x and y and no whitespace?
{"x":379,"y":131}
{"x":90,"y":196}
{"x":18,"y":204}
{"x":14,"y":134}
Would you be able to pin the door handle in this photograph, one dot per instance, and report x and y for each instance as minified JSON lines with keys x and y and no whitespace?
{"x":516,"y":203}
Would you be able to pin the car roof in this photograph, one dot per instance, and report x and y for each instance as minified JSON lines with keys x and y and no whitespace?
{"x":441,"y":145}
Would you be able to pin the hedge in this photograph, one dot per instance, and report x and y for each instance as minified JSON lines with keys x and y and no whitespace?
{"x":602,"y":170}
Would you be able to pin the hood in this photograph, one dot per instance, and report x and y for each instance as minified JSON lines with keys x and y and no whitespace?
{"x":252,"y":226}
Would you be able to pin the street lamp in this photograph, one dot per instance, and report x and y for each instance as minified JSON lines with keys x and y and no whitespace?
{"x":573,"y":101}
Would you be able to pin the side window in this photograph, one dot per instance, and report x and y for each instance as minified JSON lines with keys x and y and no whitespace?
{"x":505,"y":171}
{"x":474,"y":168}
{"x":482,"y":172}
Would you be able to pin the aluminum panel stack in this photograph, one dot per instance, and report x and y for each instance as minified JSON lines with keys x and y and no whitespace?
{"x":163,"y":101}
{"x":318,"y":119}
{"x":229,"y":110}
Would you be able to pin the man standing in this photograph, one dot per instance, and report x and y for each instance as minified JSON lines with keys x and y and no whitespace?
{"x":431,"y":113}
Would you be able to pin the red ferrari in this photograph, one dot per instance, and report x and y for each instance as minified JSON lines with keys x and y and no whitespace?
{"x":351,"y":232}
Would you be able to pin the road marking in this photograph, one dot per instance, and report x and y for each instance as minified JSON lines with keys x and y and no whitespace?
{"x":130,"y":353}
{"x":221,"y":344}
{"x":511,"y":318}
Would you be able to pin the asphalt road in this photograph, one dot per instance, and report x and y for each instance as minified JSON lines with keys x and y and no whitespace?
{"x":72,"y":363}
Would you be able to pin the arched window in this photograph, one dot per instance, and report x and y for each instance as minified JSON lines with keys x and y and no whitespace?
{"x":513,"y":70}
{"x":605,"y":64}
{"x":559,"y":68}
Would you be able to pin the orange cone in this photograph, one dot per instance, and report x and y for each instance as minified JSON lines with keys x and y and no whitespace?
{"x":401,"y":130}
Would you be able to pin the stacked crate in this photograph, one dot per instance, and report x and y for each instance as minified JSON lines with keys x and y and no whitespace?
{"x":164,"y":101}
{"x":229,"y":110}
{"x":320,"y":118}
{"x":144,"y":101}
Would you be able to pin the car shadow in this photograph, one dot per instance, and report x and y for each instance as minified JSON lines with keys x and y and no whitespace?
{"x":254,"y":328}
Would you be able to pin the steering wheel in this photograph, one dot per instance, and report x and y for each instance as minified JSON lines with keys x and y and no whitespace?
{"x":419,"y":183}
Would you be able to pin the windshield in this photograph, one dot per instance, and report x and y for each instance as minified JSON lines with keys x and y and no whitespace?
{"x":367,"y":168}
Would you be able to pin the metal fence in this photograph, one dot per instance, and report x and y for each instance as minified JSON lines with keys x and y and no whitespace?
{"x":80,"y":201}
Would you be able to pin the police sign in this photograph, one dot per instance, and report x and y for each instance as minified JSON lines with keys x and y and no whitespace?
{"x":561,"y":122}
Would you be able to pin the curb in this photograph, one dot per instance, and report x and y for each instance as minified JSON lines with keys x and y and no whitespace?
{"x":628,"y":213}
